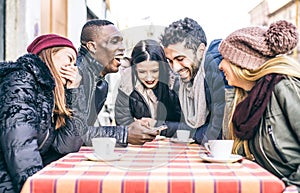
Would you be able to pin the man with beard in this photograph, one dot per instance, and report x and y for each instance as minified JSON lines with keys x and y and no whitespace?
{"x":202,"y":85}
{"x":99,"y":54}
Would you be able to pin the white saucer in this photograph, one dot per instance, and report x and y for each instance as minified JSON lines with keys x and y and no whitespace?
{"x":95,"y":157}
{"x":231,"y":159}
{"x":176,"y":140}
{"x":160,"y":137}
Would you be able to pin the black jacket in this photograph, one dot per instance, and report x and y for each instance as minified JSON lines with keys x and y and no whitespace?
{"x":130,"y":105}
{"x":28,"y":140}
{"x":83,"y":100}
{"x":168,"y":108}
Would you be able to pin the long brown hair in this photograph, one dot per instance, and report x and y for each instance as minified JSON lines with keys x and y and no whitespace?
{"x":61,"y":111}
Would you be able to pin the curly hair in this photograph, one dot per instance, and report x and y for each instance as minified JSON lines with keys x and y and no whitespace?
{"x":184,"y":30}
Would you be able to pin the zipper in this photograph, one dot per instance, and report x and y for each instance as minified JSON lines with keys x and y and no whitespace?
{"x":144,"y":100}
{"x":44,"y":141}
{"x":265,"y":156}
{"x":272,"y":137}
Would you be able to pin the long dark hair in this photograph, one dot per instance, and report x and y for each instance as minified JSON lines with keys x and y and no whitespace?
{"x":151,"y":50}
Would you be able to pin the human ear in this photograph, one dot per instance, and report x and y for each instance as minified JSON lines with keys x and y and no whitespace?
{"x":91,"y":47}
{"x":200,"y":51}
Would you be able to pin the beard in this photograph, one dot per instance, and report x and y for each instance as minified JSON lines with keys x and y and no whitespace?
{"x":195,"y":69}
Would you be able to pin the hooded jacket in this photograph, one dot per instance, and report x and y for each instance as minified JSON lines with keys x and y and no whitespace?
{"x":28,"y":140}
{"x":215,"y":85}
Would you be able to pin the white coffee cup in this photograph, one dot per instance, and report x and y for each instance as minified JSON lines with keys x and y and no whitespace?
{"x":219,"y":148}
{"x":104,"y":146}
{"x":183,"y":135}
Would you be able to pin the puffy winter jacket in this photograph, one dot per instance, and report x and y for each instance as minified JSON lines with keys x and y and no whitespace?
{"x":28,"y":140}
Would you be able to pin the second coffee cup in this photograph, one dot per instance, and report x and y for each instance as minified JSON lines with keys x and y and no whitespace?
{"x":219,"y":148}
{"x":104,"y":146}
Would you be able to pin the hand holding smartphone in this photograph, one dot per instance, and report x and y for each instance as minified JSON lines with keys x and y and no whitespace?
{"x":159,"y":129}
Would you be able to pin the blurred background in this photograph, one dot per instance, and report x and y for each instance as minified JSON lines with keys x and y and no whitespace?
{"x":22,"y":20}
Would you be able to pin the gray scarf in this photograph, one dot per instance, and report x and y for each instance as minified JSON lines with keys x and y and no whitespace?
{"x":193,"y":101}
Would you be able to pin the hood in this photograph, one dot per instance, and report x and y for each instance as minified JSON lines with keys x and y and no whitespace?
{"x":32,"y":64}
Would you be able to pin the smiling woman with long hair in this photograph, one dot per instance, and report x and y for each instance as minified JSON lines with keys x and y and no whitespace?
{"x":151,"y":100}
{"x":264,"y":121}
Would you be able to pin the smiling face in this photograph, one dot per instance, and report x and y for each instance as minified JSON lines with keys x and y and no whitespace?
{"x":64,"y":57}
{"x":229,"y":75}
{"x":232,"y":78}
{"x":148,"y":73}
{"x":182,"y":61}
{"x":109,"y":48}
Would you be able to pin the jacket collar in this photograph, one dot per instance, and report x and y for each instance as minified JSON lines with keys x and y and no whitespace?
{"x":33,"y":64}
{"x":95,"y":66}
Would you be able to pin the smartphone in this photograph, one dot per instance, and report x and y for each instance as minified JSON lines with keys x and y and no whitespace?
{"x":160,"y":128}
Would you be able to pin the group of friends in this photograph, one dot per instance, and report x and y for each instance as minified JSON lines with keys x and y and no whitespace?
{"x":244,"y":87}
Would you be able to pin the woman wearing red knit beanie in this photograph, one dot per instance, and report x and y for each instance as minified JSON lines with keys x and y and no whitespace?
{"x":36,"y":124}
{"x":265,"y":114}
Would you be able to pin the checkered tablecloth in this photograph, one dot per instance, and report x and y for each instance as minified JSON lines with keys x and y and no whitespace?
{"x":155,"y":167}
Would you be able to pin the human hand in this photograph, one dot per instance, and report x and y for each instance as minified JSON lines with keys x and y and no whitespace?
{"x":71,"y":75}
{"x":148,"y":121}
{"x":138,"y":134}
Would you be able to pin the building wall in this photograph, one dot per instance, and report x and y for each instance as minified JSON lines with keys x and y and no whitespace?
{"x":274,"y":10}
{"x":15,"y":32}
{"x":77,"y":16}
{"x":55,"y":17}
{"x":27,"y":19}
{"x":2,"y":30}
{"x":259,"y":14}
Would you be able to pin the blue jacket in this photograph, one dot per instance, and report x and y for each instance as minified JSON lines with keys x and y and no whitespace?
{"x":215,"y":84}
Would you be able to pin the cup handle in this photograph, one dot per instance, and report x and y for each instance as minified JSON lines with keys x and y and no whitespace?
{"x":206,"y":145}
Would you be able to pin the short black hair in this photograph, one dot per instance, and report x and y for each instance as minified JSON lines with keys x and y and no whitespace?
{"x":184,"y":30}
{"x":90,"y":27}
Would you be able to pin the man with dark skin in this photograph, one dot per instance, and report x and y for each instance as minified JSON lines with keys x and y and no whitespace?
{"x":99,"y":54}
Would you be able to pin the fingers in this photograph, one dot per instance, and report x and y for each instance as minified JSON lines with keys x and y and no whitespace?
{"x":150,"y":121}
{"x":71,"y":74}
{"x":143,"y":122}
{"x":138,"y":133}
{"x":147,"y":138}
{"x":151,"y":133}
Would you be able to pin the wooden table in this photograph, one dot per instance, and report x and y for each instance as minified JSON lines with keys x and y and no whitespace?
{"x":155,"y":167}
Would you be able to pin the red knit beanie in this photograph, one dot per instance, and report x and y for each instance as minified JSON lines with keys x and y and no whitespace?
{"x":47,"y":41}
{"x":251,"y":47}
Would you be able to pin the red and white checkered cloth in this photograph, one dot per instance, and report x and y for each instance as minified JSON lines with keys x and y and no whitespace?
{"x":155,"y":167}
